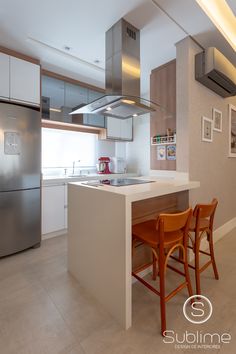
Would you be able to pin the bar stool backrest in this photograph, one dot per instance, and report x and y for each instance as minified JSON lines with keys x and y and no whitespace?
{"x":206,"y":211}
{"x":174,"y":222}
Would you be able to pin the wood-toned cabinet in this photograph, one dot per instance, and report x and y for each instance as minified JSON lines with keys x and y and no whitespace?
{"x":163,"y":92}
{"x":119,"y":129}
{"x":20,"y":80}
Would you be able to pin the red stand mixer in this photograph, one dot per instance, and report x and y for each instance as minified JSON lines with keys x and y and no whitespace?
{"x":103,"y":165}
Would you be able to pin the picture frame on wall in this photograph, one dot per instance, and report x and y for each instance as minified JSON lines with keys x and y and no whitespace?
{"x":161,"y":152}
{"x":171,"y":152}
{"x":207,"y":129}
{"x":217,"y":120}
{"x":232,"y":130}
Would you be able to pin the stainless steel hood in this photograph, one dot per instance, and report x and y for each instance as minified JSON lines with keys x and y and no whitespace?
{"x":122,"y":99}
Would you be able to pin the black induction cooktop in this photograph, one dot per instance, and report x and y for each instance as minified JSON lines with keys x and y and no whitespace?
{"x":118,"y":182}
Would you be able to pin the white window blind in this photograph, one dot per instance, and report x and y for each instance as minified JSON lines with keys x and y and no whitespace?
{"x":60,"y":148}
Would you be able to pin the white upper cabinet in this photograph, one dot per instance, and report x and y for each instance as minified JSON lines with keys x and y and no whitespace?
{"x":126,"y":129}
{"x":120,"y":129}
{"x":4,"y":75}
{"x":24,"y":81}
{"x":113,"y":128}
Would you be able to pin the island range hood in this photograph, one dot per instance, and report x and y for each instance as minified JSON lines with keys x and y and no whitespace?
{"x":122,"y":99}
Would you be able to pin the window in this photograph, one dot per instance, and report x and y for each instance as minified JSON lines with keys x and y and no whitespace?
{"x":61,"y":147}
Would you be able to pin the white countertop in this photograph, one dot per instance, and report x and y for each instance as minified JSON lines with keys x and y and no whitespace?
{"x":160,"y":186}
{"x":58,"y":180}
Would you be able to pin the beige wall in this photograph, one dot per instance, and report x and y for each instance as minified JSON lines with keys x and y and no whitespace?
{"x":205,"y":162}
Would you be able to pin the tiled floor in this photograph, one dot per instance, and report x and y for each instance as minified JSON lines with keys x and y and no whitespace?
{"x":44,"y":310}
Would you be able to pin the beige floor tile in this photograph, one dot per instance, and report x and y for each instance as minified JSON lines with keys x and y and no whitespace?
{"x":31,"y":322}
{"x":44,"y":310}
{"x":76,"y":350}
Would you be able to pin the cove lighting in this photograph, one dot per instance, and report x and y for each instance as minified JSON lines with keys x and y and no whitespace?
{"x":223,"y":18}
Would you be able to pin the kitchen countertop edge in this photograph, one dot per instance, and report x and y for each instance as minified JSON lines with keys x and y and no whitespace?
{"x":48,"y":180}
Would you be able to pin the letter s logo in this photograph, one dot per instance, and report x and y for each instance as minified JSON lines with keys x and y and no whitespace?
{"x":198,"y":312}
{"x":197,"y":309}
{"x":168,"y":338}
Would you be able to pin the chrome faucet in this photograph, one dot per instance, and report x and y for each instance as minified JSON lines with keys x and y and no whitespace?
{"x":73,"y":170}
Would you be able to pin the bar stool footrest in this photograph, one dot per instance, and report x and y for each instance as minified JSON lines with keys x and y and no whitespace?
{"x":146,"y":284}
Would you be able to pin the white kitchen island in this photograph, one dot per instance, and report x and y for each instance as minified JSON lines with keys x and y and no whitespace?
{"x":99,"y":235}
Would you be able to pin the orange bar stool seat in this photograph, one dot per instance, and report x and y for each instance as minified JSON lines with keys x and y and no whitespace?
{"x":202,"y":224}
{"x":164,"y":235}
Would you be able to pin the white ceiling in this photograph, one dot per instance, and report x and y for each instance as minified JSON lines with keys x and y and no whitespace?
{"x":42,"y":28}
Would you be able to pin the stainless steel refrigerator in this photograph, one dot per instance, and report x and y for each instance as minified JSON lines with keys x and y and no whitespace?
{"x":20,"y":168}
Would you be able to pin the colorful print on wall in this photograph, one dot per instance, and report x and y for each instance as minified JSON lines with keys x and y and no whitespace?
{"x":207,"y":129}
{"x":217,"y":120}
{"x":161,"y":152}
{"x":171,"y":152}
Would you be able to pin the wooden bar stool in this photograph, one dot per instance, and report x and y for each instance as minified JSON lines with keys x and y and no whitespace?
{"x":164,"y":235}
{"x":202,"y":224}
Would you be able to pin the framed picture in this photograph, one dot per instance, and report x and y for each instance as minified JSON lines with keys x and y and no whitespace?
{"x":161,"y":152}
{"x":171,"y":152}
{"x":232,"y":131}
{"x":207,"y":129}
{"x":217,"y":120}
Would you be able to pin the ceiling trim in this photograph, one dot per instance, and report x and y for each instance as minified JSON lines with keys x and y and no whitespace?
{"x":62,"y":53}
{"x":155,"y":3}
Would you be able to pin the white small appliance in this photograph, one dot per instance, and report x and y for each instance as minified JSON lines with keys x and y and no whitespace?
{"x":118,"y":165}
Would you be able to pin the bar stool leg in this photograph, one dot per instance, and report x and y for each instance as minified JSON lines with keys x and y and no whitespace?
{"x":162,"y":293}
{"x":210,"y":238}
{"x":197,"y":266}
{"x":154,"y":267}
{"x":187,"y":275}
{"x":133,"y":247}
{"x":181,"y":255}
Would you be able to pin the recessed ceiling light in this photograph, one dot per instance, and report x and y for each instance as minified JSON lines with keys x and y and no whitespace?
{"x":223,"y":18}
{"x":135,"y":115}
{"x":109,"y":109}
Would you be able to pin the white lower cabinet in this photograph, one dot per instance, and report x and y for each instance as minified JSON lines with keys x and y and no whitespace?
{"x":54,"y":212}
{"x":66,"y":205}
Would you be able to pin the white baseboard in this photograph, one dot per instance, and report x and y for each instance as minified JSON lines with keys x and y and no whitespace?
{"x":224,"y":229}
{"x":54,"y":234}
{"x":218,"y":235}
